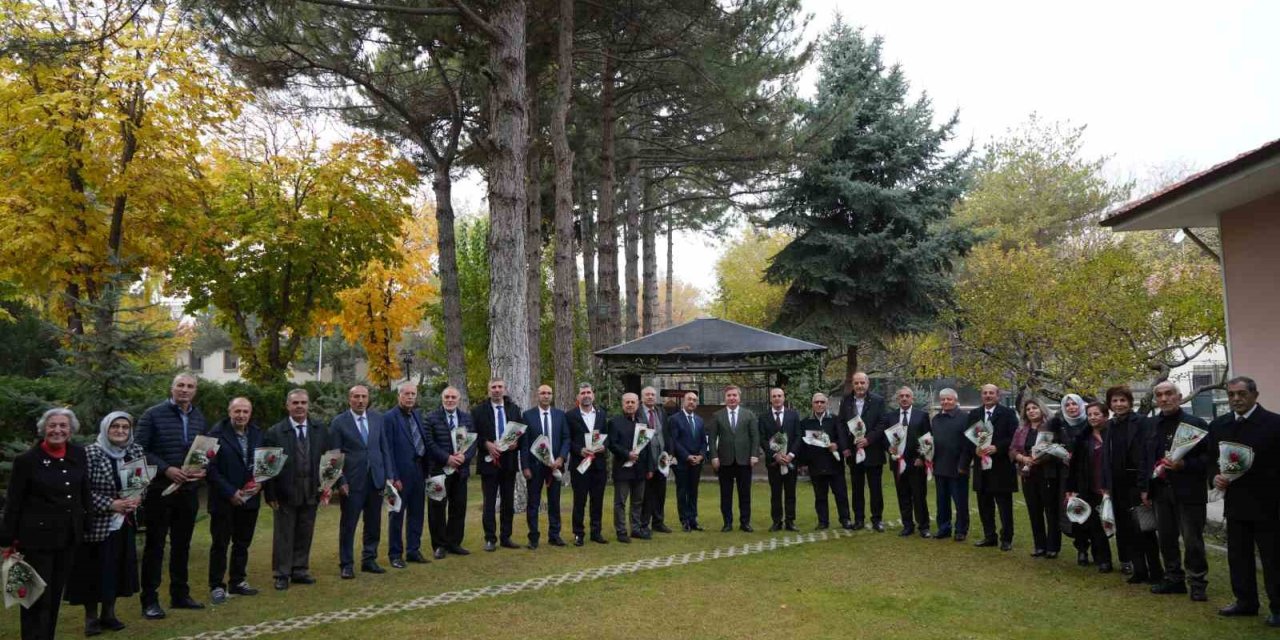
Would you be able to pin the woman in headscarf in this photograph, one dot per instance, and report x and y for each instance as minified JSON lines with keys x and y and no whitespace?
{"x":106,"y":564}
{"x":44,"y":514}
{"x":1041,"y":478}
{"x":1070,"y":423}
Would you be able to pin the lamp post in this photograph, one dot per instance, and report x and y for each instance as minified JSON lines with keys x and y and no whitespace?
{"x":406,"y":357}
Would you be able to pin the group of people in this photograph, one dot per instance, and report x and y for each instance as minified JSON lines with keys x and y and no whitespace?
{"x":65,"y":512}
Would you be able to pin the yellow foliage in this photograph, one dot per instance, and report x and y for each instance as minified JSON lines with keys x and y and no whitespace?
{"x":744,"y":297}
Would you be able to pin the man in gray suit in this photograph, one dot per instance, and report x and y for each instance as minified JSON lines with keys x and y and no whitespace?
{"x":655,"y":488}
{"x":734,"y":440}
{"x":365,"y":472}
{"x":294,"y":495}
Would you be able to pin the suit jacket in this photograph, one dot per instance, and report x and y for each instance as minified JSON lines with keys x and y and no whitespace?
{"x":734,"y":446}
{"x":559,"y":427}
{"x":790,"y":426}
{"x":819,"y":460}
{"x":662,"y":437}
{"x":872,"y":412}
{"x":622,"y":430}
{"x":1003,"y":476}
{"x":104,"y":488}
{"x":487,"y":430}
{"x":403,"y":462}
{"x":439,"y":441}
{"x":47,"y":500}
{"x":917,"y":426}
{"x":1254,"y":496}
{"x":952,"y":452}
{"x":365,"y":466}
{"x":578,"y":437}
{"x":232,"y":468}
{"x":688,"y":438}
{"x":1191,"y":484}
{"x":282,"y":488}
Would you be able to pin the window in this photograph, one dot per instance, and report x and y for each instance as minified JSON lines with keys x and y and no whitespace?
{"x":230,"y":361}
{"x":195,"y":362}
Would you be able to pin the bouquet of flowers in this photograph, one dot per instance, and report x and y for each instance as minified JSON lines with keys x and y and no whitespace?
{"x":596,"y":446}
{"x":202,"y":451}
{"x":509,"y":438}
{"x":819,"y":439}
{"x":330,"y":470}
{"x":858,"y":429}
{"x":1184,"y":440}
{"x":664,"y":464}
{"x":778,"y":444}
{"x":926,"y":452}
{"x":981,"y":434}
{"x":391,"y":498}
{"x":267,"y":464}
{"x":435,"y":487}
{"x":1078,"y":511}
{"x":1234,"y":460}
{"x":462,"y":441}
{"x":1107,"y":514}
{"x":896,"y":436}
{"x":22,"y":585}
{"x":135,"y":476}
{"x":1045,"y":446}
{"x":639,"y":440}
{"x":541,"y":449}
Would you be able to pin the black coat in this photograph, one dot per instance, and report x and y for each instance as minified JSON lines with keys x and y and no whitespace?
{"x":1126,"y":447}
{"x":1080,"y":475}
{"x":622,"y":430}
{"x":160,"y":434}
{"x":1191,"y":484}
{"x":917,"y":426}
{"x":578,"y":437}
{"x":47,"y":500}
{"x":820,"y":461}
{"x":438,"y":442}
{"x":1002,"y":477}
{"x":487,"y":431}
{"x":1254,"y":496}
{"x":768,"y":424}
{"x":232,"y":468}
{"x":952,"y":452}
{"x":872,"y":411}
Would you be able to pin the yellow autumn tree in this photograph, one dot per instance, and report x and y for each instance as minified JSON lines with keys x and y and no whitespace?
{"x":743,"y":296}
{"x":392,"y":297}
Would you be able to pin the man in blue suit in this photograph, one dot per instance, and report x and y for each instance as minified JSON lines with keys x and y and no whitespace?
{"x":359,"y":434}
{"x":498,"y":473}
{"x":233,"y":504}
{"x":549,"y":421}
{"x":447,"y":518}
{"x":689,"y":435}
{"x":406,"y":451}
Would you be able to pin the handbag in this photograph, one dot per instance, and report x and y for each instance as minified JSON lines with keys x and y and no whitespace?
{"x":1144,"y":517}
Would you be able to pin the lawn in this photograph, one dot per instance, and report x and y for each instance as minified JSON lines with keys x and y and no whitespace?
{"x":863,"y":585}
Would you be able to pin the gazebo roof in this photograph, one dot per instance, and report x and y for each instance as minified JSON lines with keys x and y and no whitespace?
{"x":709,"y":338}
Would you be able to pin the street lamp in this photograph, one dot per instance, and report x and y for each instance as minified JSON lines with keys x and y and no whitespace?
{"x":406,"y":357}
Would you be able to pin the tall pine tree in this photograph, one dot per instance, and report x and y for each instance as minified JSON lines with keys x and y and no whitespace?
{"x":869,"y":207}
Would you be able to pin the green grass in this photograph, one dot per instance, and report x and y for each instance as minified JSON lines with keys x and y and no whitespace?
{"x":867,"y":585}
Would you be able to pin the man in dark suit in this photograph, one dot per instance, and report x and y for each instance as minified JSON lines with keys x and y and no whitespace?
{"x":406,"y":457}
{"x":952,"y":457}
{"x":782,"y":487}
{"x":497,"y":469}
{"x":1179,"y":495}
{"x":448,"y":517}
{"x":912,"y":483}
{"x":733,"y":438}
{"x":825,"y":471}
{"x":995,"y":486}
{"x":233,"y":504}
{"x":870,"y":472}
{"x":549,"y":421}
{"x":689,"y":439}
{"x":630,"y":470}
{"x":295,"y":493}
{"x":655,"y":489}
{"x":1126,"y":442}
{"x":360,"y":435}
{"x":1252,"y":501}
{"x":585,"y":420}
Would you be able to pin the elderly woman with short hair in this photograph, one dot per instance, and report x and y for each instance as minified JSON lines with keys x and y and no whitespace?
{"x":106,"y":563}
{"x":45,"y":513}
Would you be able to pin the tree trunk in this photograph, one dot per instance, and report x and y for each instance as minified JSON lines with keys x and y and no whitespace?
{"x":633,"y":245}
{"x":649,"y":234}
{"x":507,"y":145}
{"x":450,"y":294}
{"x":533,"y":242}
{"x":566,"y":268}
{"x":587,"y":240}
{"x":850,"y":366}
{"x":609,"y":310}
{"x":671,"y":261}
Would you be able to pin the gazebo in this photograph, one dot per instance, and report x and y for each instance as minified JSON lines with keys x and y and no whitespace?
{"x":704,"y":354}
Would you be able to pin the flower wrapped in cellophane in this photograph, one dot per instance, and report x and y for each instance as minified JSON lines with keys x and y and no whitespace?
{"x":22,"y":585}
{"x":1107,"y":515}
{"x":541,"y":450}
{"x":1234,"y":460}
{"x":267,"y":464}
{"x":820,"y":439}
{"x":391,"y":498}
{"x":435,"y":487}
{"x":1078,"y":511}
{"x":331,"y":463}
{"x":463,"y":440}
{"x":510,"y":436}
{"x":778,"y":444}
{"x":199,"y":455}
{"x":896,"y":437}
{"x":665,"y":461}
{"x":1184,"y":440}
{"x":135,"y":476}
{"x":596,"y":446}
{"x":639,"y":440}
{"x":926,"y":452}
{"x":981,"y":435}
{"x":858,"y":429}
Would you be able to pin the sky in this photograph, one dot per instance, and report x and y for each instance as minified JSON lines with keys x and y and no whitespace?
{"x":1158,"y":84}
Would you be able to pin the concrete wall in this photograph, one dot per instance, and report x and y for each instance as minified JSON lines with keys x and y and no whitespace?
{"x":1251,"y":256}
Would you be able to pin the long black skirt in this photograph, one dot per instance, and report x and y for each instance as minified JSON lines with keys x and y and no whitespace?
{"x":104,"y":571}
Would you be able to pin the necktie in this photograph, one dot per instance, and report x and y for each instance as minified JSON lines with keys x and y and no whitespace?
{"x":904,"y":416}
{"x":988,"y":415}
{"x":1239,"y":418}
{"x":302,"y":433}
{"x":364,"y":431}
{"x":546,"y":430}
{"x":693,"y":426}
{"x":777,"y":416}
{"x":415,"y":435}
{"x":733,"y":419}
{"x":649,"y":412}
{"x":451,"y":423}
{"x":502,"y":420}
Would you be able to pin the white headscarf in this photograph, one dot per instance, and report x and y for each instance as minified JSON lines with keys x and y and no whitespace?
{"x":1075,"y":422}
{"x":104,"y":442}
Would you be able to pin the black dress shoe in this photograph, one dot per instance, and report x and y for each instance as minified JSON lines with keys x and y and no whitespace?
{"x":1105,"y":567}
{"x":1051,"y":555}
{"x":555,"y":541}
{"x":696,"y":527}
{"x":961,"y":537}
{"x":686,"y":527}
{"x":878,"y":527}
{"x":1126,"y":568}
{"x":1198,"y":593}
{"x":643,"y":535}
{"x":398,"y":563}
{"x":112,"y":624}
{"x":747,"y":528}
{"x":1082,"y":558}
{"x":346,"y":573}
{"x":302,"y":579}
{"x":92,"y":627}
{"x":1235,"y":609}
{"x":439,"y":553}
{"x":243,"y":589}
{"x":1037,"y":553}
{"x":906,"y":532}
{"x":942,"y":535}
{"x":372,"y":567}
{"x":1137,"y":578}
{"x":661,"y":528}
{"x":624,"y":538}
{"x":279,"y":583}
{"x":777,"y":526}
{"x":577,"y":541}
{"x":859,"y":525}
{"x":846,"y":525}
{"x":598,"y":538}
{"x":1169,"y":587}
{"x":727,"y":528}
{"x":508,"y":544}
{"x":822,"y":526}
{"x":924,"y":533}
{"x":490,"y":546}
{"x":1006,"y":546}
{"x":533,"y":545}
{"x":185,"y":603}
{"x":417,"y":558}
{"x":986,"y":542}
{"x":791,"y":526}
{"x":459,"y":550}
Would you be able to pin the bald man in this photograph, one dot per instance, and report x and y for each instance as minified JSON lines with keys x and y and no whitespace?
{"x":869,"y":473}
{"x":1180,"y":496}
{"x":544,"y":420}
{"x":995,"y":486}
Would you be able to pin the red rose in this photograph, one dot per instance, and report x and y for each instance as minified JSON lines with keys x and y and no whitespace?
{"x":271,"y":459}
{"x":22,"y":592}
{"x":138,"y":472}
{"x":1233,"y":456}
{"x":210,"y":454}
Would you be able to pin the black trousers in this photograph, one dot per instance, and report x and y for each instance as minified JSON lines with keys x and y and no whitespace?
{"x":1091,"y":532}
{"x":1044,"y":507}
{"x":41,"y":620}
{"x":738,"y":475}
{"x":987,"y":504}
{"x":234,"y":527}
{"x":1132,"y":545}
{"x":872,"y":478}
{"x":688,"y":479}
{"x":655,"y":501}
{"x":588,"y":487}
{"x":492,"y":486}
{"x":782,"y":495}
{"x":367,"y":505}
{"x":171,"y":517}
{"x":821,"y":484}
{"x":447,"y":519}
{"x":913,"y":497}
{"x":1176,"y":520}
{"x":1242,"y":537}
{"x":292,"y":531}
{"x":533,"y":502}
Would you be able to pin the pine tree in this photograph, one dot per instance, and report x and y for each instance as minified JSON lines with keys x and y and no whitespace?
{"x":870,"y":206}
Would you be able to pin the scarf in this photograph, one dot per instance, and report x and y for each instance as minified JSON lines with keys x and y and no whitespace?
{"x":112,"y":451}
{"x":1075,"y":422}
